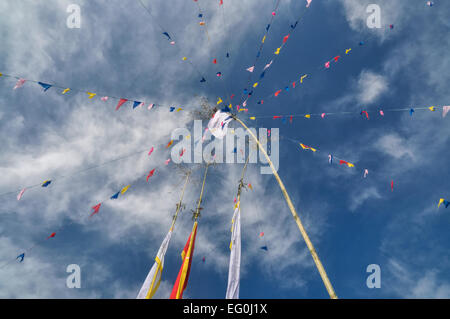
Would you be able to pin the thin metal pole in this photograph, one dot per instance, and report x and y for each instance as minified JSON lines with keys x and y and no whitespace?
{"x":313,"y":252}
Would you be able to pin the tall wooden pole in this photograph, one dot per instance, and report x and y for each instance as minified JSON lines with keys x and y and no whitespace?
{"x":313,"y":252}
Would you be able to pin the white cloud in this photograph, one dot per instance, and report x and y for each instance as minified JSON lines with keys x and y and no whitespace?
{"x":371,"y":86}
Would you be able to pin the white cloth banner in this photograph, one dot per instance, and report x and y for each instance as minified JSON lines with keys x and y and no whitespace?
{"x":235,"y":256}
{"x":153,"y":279}
{"x":218,"y":125}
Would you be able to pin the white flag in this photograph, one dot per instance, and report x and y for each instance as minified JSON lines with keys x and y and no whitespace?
{"x":153,"y":279}
{"x":235,"y":256}
{"x":218,"y":125}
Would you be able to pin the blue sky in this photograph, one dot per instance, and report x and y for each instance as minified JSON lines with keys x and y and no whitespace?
{"x":119,"y":50}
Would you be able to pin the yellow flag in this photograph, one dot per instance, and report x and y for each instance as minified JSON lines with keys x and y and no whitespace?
{"x":432,"y":108}
{"x":188,"y":136}
{"x":347,"y":51}
{"x":91,"y":95}
{"x":125,"y":189}
{"x":1,"y":74}
{"x":303,"y":76}
{"x":255,"y":85}
{"x":184,"y":58}
{"x":277,"y":51}
{"x":219,"y":101}
{"x":230,"y":106}
{"x":308,"y":116}
{"x":350,"y":165}
{"x":264,"y":39}
{"x":179,"y":109}
{"x":440,"y":202}
{"x":65,"y":91}
{"x":252,"y":118}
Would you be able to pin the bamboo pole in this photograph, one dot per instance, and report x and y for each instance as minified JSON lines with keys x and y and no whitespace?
{"x":313,"y":252}
{"x":180,"y":203}
{"x":197,"y":211}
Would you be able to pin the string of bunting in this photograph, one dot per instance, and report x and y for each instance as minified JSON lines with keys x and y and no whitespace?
{"x":276,"y":53}
{"x":363,"y":113}
{"x":296,"y":83}
{"x":96,"y":208}
{"x":66,"y":90}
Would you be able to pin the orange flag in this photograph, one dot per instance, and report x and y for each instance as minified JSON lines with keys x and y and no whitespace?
{"x":183,"y":274}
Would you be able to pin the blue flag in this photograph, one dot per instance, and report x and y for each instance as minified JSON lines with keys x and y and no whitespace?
{"x":115,"y":195}
{"x":136,"y":103}
{"x":45,"y":85}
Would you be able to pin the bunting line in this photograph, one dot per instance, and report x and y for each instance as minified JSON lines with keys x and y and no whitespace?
{"x":363,"y":113}
{"x":95,"y":210}
{"x":275,"y":55}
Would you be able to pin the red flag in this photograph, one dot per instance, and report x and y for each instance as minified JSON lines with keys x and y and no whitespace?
{"x":215,"y":61}
{"x":151,"y":173}
{"x":285,"y":38}
{"x":392,"y":185}
{"x":277,"y":117}
{"x":277,"y":92}
{"x":336,"y":58}
{"x":183,"y":274}
{"x":51,"y":236}
{"x":151,"y":151}
{"x":95,"y":208}
{"x":293,"y":84}
{"x":221,"y":2}
{"x":367,"y":114}
{"x":121,"y":101}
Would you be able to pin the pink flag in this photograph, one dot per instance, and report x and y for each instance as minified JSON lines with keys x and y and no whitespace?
{"x":19,"y":83}
{"x":172,"y":43}
{"x":268,"y":65}
{"x":268,"y":133}
{"x":445,"y":110}
{"x":323,"y":115}
{"x":273,"y":13}
{"x":244,"y":103}
{"x":104,"y":99}
{"x":151,"y":151}
{"x":327,"y":65}
{"x":167,"y":161}
{"x":235,"y":200}
{"x":21,"y":194}
{"x":366,"y":171}
{"x":381,"y":113}
{"x":121,"y":101}
{"x":308,"y":2}
{"x":151,"y":106}
{"x":261,"y":234}
{"x":392,"y":185}
{"x":250,"y":69}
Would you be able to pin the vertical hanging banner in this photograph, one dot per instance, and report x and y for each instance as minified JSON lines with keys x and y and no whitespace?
{"x":153,"y":279}
{"x":183,"y":274}
{"x":235,"y":256}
